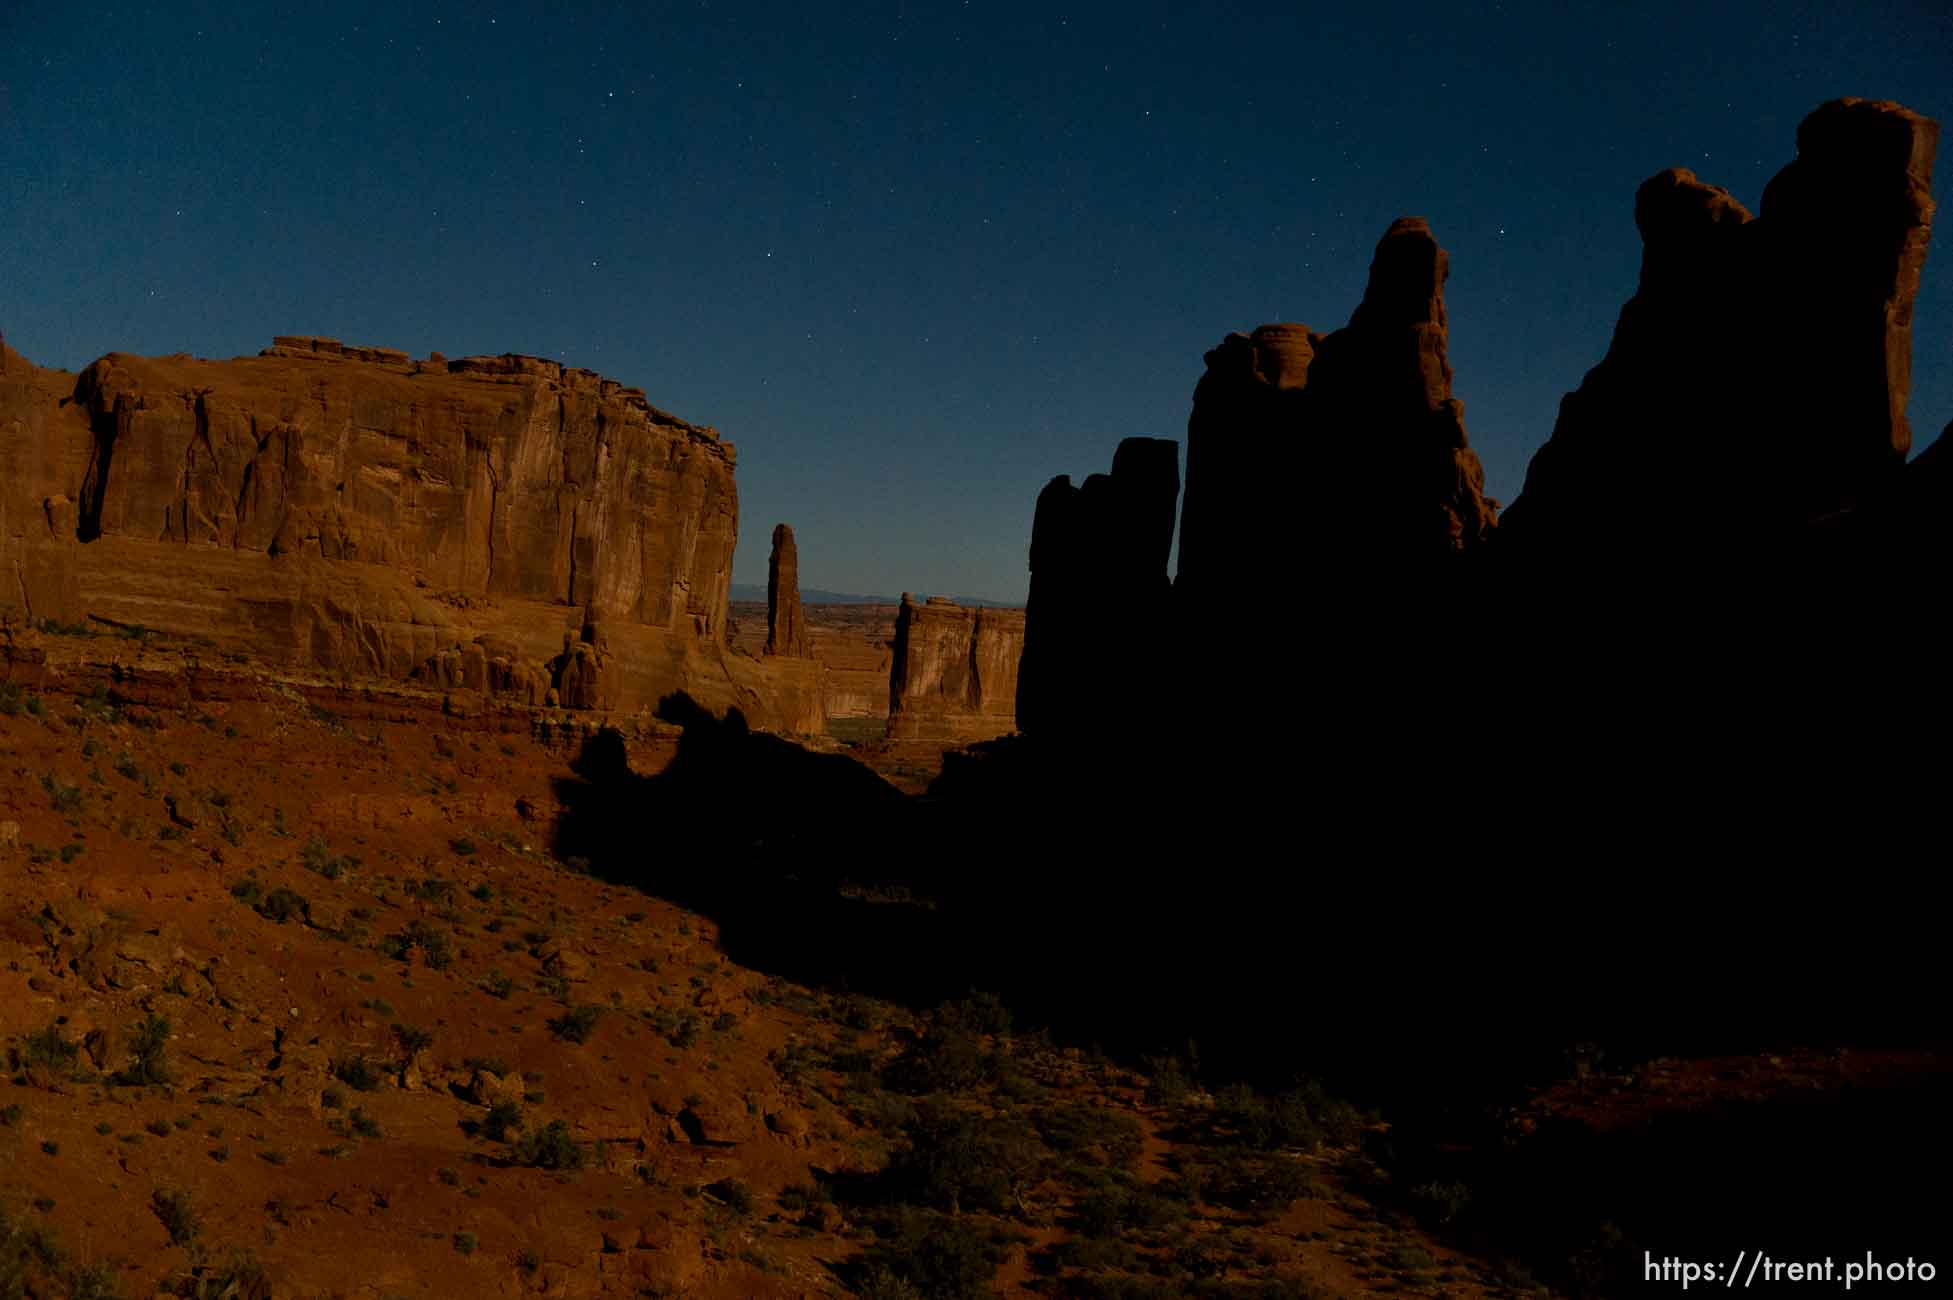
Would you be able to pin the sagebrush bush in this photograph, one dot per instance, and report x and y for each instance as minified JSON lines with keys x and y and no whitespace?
{"x":551,"y":1147}
{"x":147,"y":1044}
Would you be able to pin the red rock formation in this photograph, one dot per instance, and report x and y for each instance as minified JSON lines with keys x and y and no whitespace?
{"x":1769,"y":356}
{"x":1333,"y":456}
{"x":492,"y":475}
{"x":786,"y":628}
{"x":851,"y":644}
{"x":1098,"y":572}
{"x":352,"y":511}
{"x":954,"y":675}
{"x":37,"y":514}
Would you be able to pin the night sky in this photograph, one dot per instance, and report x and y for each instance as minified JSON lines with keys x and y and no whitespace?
{"x":913,"y":259}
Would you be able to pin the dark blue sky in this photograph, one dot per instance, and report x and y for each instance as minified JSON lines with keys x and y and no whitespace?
{"x":914,"y":259}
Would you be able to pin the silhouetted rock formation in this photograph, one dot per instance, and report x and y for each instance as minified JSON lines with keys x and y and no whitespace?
{"x":1333,"y":459}
{"x":1429,"y":702}
{"x":954,"y":671}
{"x":786,"y":628}
{"x":1772,"y":354}
{"x":1098,"y":573}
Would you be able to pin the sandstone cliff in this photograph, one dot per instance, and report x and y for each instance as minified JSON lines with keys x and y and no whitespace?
{"x":38,"y":577}
{"x":493,"y":475}
{"x":1349,"y":446}
{"x":954,"y":675}
{"x":1098,"y":586}
{"x":1769,"y":355}
{"x":500,"y":525}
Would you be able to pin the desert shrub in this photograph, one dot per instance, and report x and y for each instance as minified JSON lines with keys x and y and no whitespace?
{"x":236,"y":1275}
{"x":1440,"y":1202}
{"x":958,"y":1160}
{"x":178,"y":1217}
{"x":1108,"y":1137}
{"x":357,"y":1073}
{"x":29,"y":1252}
{"x":979,"y":1013}
{"x":65,"y":798}
{"x":919,"y":1254}
{"x":465,"y":1243}
{"x":147,"y":1044}
{"x":683,"y":1031}
{"x":318,"y":858}
{"x":432,"y":890}
{"x":412,"y":1039}
{"x":503,"y":1118}
{"x":1170,"y":1080}
{"x":1098,"y":1257}
{"x":434,"y":945}
{"x":942,"y":1060}
{"x":1413,"y":1259}
{"x":735,"y":1195}
{"x":362,"y":1124}
{"x":497,"y":985}
{"x":48,"y":1049}
{"x":577,"y":1024}
{"x":1110,"y":1211}
{"x":282,"y":904}
{"x":550,"y":1147}
{"x":1247,"y":1180}
{"x":1304,"y":1118}
{"x":804,"y":1196}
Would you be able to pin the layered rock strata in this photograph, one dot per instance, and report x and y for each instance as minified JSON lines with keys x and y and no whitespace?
{"x":955,"y":671}
{"x":357,"y":512}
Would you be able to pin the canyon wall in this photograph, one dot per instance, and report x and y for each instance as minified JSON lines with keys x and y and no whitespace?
{"x":486,"y":475}
{"x":1331,"y":460}
{"x":1698,"y":608}
{"x":1769,"y":355}
{"x":503,"y":524}
{"x":954,"y":675}
{"x":1098,"y":591}
{"x":856,"y":659}
{"x":39,"y":450}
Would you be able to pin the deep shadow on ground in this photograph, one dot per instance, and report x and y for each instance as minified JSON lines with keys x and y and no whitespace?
{"x":1278,"y":915}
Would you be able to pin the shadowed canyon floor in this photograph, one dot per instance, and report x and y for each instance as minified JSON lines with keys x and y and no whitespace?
{"x":330,"y":993}
{"x":396,"y":1047}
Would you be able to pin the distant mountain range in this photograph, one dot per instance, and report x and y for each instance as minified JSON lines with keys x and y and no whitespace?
{"x":815,"y":596}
